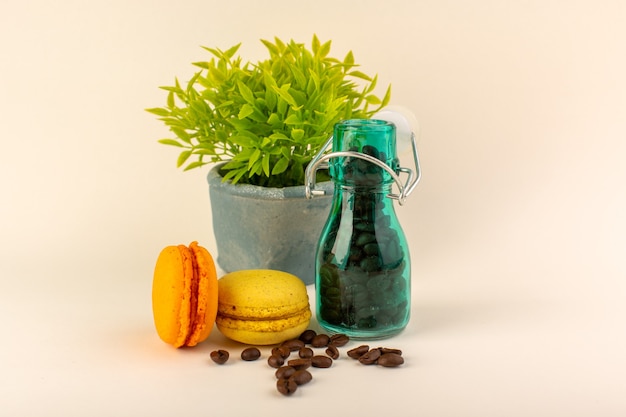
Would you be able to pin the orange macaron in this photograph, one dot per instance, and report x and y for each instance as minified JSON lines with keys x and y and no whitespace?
{"x":184,"y":294}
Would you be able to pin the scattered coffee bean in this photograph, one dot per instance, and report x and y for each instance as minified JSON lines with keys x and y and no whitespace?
{"x":250,"y":354}
{"x":285,"y":372}
{"x":384,"y":350}
{"x":306,"y":352}
{"x":301,"y":377}
{"x":219,"y":356}
{"x":339,"y":339}
{"x":275,"y":361}
{"x":321,"y":361}
{"x":370,"y":357}
{"x":286,"y":386}
{"x":283,"y":351}
{"x":320,"y":340}
{"x":357,"y":352}
{"x":293,"y":344}
{"x":307,"y":336}
{"x":301,"y":363}
{"x":390,"y":360}
{"x":332,"y":351}
{"x":293,"y":374}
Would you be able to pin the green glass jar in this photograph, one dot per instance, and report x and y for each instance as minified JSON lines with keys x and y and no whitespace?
{"x":363,"y":268}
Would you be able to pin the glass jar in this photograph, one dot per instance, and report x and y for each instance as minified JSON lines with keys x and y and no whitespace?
{"x":363,"y":271}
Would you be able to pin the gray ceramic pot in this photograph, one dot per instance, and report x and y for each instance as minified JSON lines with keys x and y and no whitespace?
{"x":267,"y":228}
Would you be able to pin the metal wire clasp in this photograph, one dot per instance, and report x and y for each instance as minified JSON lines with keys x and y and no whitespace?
{"x":319,"y":161}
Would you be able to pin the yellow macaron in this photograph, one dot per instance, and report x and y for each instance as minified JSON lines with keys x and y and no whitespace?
{"x":184,"y":295}
{"x":262,"y":306}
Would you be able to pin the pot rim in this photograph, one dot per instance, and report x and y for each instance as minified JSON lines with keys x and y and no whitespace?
{"x":269,"y":193}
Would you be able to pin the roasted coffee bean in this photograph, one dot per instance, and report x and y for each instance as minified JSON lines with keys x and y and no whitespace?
{"x":330,"y":313}
{"x":285,"y":372}
{"x":286,"y":386}
{"x":301,"y":363}
{"x":250,"y":354}
{"x":371,"y":249}
{"x":275,"y":361}
{"x":307,"y":336}
{"x":321,"y":361}
{"x":332,"y":351}
{"x":301,"y":377}
{"x":282,"y":351}
{"x":219,"y":356}
{"x":370,"y":264}
{"x":384,"y":350}
{"x":293,"y":344}
{"x":370,"y":357}
{"x":368,"y":322}
{"x":306,"y":352}
{"x":320,"y":340}
{"x":357,"y":352}
{"x":365,"y":238}
{"x":390,"y":360}
{"x":339,"y":339}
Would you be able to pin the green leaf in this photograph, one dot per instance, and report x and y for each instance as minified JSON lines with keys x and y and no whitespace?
{"x":315,"y":77}
{"x":193,"y":165}
{"x":213,"y":51}
{"x":279,"y":136}
{"x":284,"y":94}
{"x":372,"y":84}
{"x":387,"y":97}
{"x":286,"y":152}
{"x":274,"y":119}
{"x":324,"y":50}
{"x":246,"y":110}
{"x":242,"y":141}
{"x":266,"y":164}
{"x":256,"y":168}
{"x":270,"y":99}
{"x":234,"y":175}
{"x":280,"y":44}
{"x":171,"y":142}
{"x":230,"y":52}
{"x":241,"y":125}
{"x":359,"y":74}
{"x":182,"y":158}
{"x":233,"y":165}
{"x":315,"y":44}
{"x":298,"y":75}
{"x":254,"y":158}
{"x":246,"y":92}
{"x":297,"y":134}
{"x":273,"y":50}
{"x":181,"y":133}
{"x":349,"y":59}
{"x":204,"y":65}
{"x":280,"y":166}
{"x":372,"y":99}
{"x":159,"y":111}
{"x":293,"y":119}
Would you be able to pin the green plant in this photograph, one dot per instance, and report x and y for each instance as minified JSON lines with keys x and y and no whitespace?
{"x":266,"y":119}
